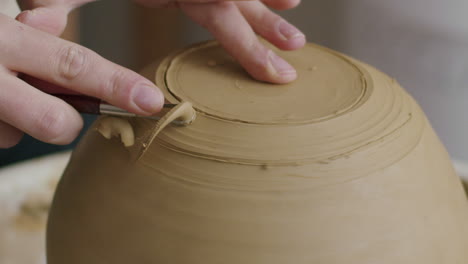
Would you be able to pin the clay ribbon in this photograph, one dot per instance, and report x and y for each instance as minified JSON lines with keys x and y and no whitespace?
{"x":183,"y":112}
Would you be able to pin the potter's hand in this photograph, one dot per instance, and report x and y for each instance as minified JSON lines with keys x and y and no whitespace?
{"x":233,"y":23}
{"x":65,"y":64}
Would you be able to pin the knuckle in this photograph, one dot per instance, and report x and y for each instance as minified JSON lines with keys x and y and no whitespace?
{"x":260,"y":65}
{"x":71,"y":62}
{"x":119,"y":86}
{"x":52,"y":125}
{"x":226,"y":6}
{"x":262,"y":54}
{"x":271,"y":18}
{"x":220,"y":10}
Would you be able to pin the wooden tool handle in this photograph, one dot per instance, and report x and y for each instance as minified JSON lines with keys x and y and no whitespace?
{"x":83,"y":104}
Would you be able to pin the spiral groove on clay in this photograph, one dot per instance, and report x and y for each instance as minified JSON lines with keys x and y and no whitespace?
{"x":373,"y":113}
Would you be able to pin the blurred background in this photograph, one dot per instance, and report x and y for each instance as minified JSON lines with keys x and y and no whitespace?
{"x":421,"y":43}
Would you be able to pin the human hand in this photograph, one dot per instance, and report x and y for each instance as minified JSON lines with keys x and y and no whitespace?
{"x":233,"y":23}
{"x":81,"y":70}
{"x":24,"y":108}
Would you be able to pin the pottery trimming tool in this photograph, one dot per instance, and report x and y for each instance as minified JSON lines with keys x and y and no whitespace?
{"x":90,"y":105}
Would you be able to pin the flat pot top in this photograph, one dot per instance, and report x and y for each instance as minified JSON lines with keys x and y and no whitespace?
{"x":337,"y":109}
{"x":328,"y":85}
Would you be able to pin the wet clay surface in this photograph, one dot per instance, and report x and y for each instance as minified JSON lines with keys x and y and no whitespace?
{"x":339,"y":167}
{"x":218,"y":86}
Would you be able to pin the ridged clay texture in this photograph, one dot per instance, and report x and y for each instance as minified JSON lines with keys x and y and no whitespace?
{"x":339,"y":167}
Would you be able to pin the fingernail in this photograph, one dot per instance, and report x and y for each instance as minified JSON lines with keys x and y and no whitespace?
{"x":149,"y":98}
{"x":289,"y":31}
{"x":281,"y":66}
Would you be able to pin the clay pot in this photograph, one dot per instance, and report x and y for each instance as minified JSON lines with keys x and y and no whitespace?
{"x":340,"y":166}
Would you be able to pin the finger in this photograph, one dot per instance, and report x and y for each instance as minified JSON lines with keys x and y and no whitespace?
{"x":170,"y":3}
{"x":227,"y":24}
{"x":44,"y":117}
{"x":9,"y":135}
{"x":276,"y":4}
{"x":52,"y":20}
{"x":282,"y":4}
{"x":48,"y":15}
{"x":31,"y":4}
{"x":74,"y":67}
{"x":271,"y":26}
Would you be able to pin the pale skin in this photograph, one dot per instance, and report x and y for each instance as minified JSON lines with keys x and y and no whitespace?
{"x":30,"y":45}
